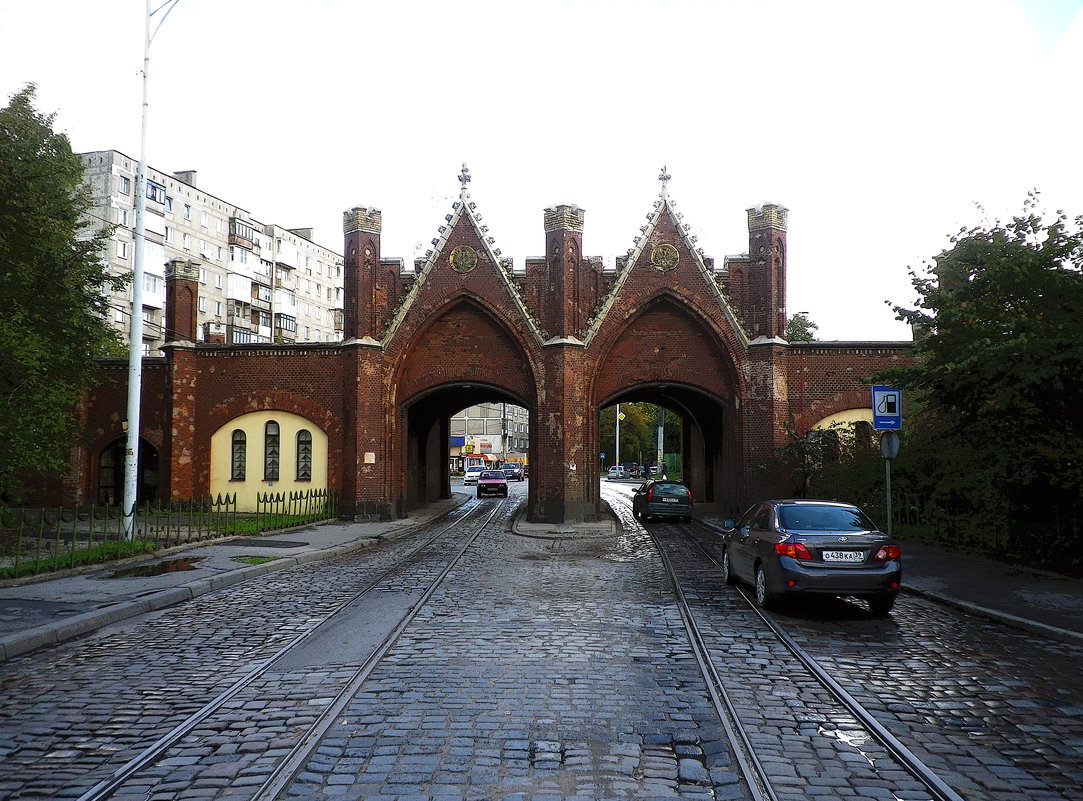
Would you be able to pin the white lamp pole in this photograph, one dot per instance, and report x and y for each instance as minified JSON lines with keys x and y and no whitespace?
{"x":135,"y":332}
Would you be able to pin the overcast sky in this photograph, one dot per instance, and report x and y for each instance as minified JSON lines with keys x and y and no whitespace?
{"x":880,"y":125}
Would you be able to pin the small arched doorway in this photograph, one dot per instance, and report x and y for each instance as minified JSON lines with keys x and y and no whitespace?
{"x":111,"y":473}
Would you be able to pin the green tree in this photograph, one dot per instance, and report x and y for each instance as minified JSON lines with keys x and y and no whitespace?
{"x":53,"y":287}
{"x":638,"y":432}
{"x":799,"y":328}
{"x":999,"y":363}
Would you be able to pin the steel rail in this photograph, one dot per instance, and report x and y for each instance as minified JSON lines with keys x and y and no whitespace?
{"x":752,"y":770}
{"x":295,"y":761}
{"x":106,"y":787}
{"x":895,"y":748}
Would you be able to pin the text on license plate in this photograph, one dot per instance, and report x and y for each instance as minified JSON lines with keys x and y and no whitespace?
{"x":843,"y":556}
{"x":669,"y":500}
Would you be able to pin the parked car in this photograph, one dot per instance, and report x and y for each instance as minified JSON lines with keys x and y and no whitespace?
{"x":793,"y":547}
{"x":492,"y":482}
{"x":660,"y":498}
{"x":472,"y":473}
{"x":512,"y":470}
{"x":616,"y":471}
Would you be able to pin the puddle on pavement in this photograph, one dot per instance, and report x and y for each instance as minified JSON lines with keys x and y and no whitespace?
{"x":158,"y":568}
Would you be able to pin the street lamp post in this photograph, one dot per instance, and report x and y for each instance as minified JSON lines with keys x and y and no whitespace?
{"x":135,"y":331}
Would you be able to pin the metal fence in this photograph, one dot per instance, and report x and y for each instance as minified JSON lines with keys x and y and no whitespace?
{"x":42,"y":540}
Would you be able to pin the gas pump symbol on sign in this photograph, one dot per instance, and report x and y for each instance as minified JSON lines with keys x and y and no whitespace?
{"x":886,"y":408}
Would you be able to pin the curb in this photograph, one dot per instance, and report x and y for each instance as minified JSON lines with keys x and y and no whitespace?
{"x":13,"y":645}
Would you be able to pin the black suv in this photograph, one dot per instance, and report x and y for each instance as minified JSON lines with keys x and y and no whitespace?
{"x":513,"y":471}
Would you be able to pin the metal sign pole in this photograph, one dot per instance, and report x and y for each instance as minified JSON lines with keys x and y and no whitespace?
{"x":889,"y":449}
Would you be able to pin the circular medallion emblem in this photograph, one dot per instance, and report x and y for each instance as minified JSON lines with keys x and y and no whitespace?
{"x":665,"y":257}
{"x":463,"y":259}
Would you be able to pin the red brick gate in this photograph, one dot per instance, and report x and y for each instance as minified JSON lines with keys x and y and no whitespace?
{"x":564,"y":338}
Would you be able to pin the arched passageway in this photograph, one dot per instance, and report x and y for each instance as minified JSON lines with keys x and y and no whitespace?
{"x":710,"y":462}
{"x":428,"y":476}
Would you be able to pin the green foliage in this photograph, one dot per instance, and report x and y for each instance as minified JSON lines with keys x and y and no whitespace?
{"x":840,"y":462}
{"x":638,"y":432}
{"x":998,"y":384}
{"x":66,"y":560}
{"x":799,"y":328}
{"x":53,"y":285}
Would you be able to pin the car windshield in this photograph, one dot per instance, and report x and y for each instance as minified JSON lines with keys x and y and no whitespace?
{"x":808,"y":517}
{"x":492,"y":474}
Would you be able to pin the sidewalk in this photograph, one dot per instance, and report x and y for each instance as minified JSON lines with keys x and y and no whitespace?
{"x":44,"y":612}
{"x":38,"y":613}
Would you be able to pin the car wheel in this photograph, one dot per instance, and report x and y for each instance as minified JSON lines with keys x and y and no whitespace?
{"x":881,"y":605}
{"x":764,"y":600}
{"x":726,"y":571}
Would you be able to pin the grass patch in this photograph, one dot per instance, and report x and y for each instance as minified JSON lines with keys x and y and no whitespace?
{"x":96,"y":554}
{"x":255,"y":560}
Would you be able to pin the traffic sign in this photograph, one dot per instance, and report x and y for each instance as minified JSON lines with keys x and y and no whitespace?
{"x":886,"y":408}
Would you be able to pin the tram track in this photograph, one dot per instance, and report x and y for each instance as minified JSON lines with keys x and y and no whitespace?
{"x":449,"y":539}
{"x":759,"y":777}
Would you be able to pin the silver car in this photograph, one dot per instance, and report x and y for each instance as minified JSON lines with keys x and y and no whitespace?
{"x":785,"y":548}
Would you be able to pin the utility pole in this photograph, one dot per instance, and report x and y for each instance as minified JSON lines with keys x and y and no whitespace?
{"x":616,"y":458}
{"x":135,"y":332}
{"x":659,"y":470}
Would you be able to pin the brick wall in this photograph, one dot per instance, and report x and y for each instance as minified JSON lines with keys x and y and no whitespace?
{"x":562,"y":338}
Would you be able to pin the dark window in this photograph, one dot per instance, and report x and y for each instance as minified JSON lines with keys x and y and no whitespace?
{"x":304,"y":455}
{"x":239,"y":457}
{"x":272,"y":451}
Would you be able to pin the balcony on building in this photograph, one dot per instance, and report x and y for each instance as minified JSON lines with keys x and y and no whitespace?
{"x":243,"y":234}
{"x":285,"y":328}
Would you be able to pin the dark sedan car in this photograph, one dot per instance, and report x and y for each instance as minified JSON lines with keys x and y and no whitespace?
{"x":662,"y":498}
{"x":789,"y":547}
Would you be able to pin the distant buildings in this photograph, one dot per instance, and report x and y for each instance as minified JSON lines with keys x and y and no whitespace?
{"x":257,"y":282}
{"x":497,"y":430}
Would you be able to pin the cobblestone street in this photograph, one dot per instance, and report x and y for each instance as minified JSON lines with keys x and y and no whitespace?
{"x":540,"y":667}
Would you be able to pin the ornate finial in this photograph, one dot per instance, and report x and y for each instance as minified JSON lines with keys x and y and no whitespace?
{"x":664,"y":178}
{"x":464,"y":179}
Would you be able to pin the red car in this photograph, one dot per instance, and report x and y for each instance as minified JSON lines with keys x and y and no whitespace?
{"x":492,"y":482}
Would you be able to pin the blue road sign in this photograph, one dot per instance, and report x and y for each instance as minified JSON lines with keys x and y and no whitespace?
{"x":886,"y":408}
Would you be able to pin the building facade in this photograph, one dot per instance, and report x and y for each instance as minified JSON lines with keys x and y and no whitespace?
{"x":562,"y":338}
{"x":257,"y":282}
{"x":497,"y":430}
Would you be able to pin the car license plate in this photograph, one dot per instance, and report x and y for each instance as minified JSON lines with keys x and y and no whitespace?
{"x":843,"y":556}
{"x":670,"y":500}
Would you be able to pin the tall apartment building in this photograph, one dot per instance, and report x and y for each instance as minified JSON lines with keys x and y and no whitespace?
{"x":258,"y":283}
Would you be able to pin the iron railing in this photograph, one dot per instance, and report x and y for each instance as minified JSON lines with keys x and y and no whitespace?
{"x":42,"y":540}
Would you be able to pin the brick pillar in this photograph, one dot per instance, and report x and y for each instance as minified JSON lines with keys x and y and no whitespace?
{"x":766,"y":310}
{"x":564,"y":431}
{"x":564,"y":253}
{"x":363,"y":304}
{"x":181,"y":300}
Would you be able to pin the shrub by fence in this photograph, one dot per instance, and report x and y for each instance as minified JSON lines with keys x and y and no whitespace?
{"x":44,"y":540}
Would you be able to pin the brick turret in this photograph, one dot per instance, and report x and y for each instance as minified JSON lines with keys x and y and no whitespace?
{"x":365,"y":298}
{"x":765,"y":304}
{"x":181,"y":300}
{"x":563,"y":253}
